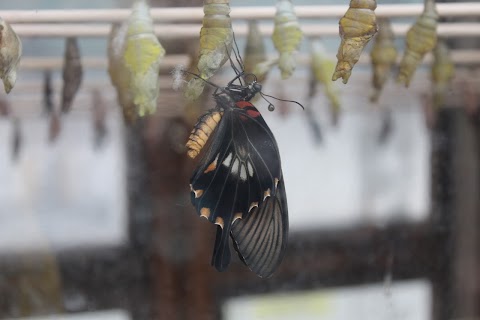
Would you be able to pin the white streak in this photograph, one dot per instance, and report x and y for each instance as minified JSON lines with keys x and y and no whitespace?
{"x":178,"y":74}
{"x":227,"y":161}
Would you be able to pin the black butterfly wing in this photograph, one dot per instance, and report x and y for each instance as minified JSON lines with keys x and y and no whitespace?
{"x":240,"y":175}
{"x":261,"y":238}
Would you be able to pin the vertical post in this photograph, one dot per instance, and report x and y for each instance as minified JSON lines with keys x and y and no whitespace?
{"x":441,"y":216}
{"x":466,"y":206}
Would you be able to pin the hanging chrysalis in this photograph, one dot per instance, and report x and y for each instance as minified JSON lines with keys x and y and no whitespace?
{"x":443,"y":70}
{"x":309,"y":113}
{"x":287,"y":36}
{"x":383,"y":56}
{"x":357,"y":27}
{"x":421,"y":39}
{"x":47,"y":92}
{"x":72,"y":73}
{"x":16,"y":139}
{"x":322,"y":68}
{"x":54,"y":127}
{"x":99,"y":116}
{"x":254,"y":50}
{"x":142,"y":57}
{"x":10,"y":53}
{"x":216,"y":38}
{"x":119,"y":75}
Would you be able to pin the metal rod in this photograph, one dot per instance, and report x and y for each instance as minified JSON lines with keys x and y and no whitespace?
{"x":175,"y":31}
{"x":462,"y":9}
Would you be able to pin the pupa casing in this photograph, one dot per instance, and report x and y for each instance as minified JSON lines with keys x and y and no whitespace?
{"x":10,"y":53}
{"x":72,"y":73}
{"x":443,"y":71}
{"x":383,"y":56}
{"x":286,"y":37}
{"x":142,"y":58}
{"x":357,"y":27}
{"x":421,"y":39}
{"x":216,"y":39}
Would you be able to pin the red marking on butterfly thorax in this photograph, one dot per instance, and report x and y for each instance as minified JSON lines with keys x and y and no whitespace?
{"x":243,"y":104}
{"x":251,"y":110}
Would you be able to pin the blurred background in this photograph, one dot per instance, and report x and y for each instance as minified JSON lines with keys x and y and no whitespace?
{"x":96,"y":220}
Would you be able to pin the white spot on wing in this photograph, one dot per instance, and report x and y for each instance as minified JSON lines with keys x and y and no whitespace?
{"x":250,"y":169}
{"x":227,"y":160}
{"x":235,"y":166}
{"x":243,"y":173}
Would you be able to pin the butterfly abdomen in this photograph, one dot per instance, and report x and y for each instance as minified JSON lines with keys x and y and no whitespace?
{"x":205,"y":126}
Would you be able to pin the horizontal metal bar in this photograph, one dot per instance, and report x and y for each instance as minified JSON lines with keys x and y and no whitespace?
{"x":196,"y":14}
{"x":175,"y":31}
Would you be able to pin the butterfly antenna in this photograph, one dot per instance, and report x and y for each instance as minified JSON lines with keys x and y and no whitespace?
{"x":234,"y":67}
{"x":238,"y":56}
{"x":293,"y":101}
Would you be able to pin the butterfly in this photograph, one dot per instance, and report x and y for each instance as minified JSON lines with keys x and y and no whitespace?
{"x":238,"y":184}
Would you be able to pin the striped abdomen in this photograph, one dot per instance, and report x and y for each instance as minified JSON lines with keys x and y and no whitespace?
{"x":201,"y":132}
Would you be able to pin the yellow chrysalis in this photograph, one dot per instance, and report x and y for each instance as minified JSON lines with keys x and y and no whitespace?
{"x":119,"y":75}
{"x":286,"y":37}
{"x":142,"y":57}
{"x":10,"y":53}
{"x":322,"y":68}
{"x":255,"y":52}
{"x":443,"y":70}
{"x":383,"y":56}
{"x":216,"y":38}
{"x":357,"y":27}
{"x":421,"y":39}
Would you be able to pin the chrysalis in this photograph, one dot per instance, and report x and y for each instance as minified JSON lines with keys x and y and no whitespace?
{"x":119,"y":75}
{"x":16,"y":139}
{"x":54,"y":127}
{"x":384,"y":56}
{"x":216,"y":38}
{"x":47,"y":92}
{"x":309,"y":113}
{"x":142,"y":56}
{"x":443,"y":71}
{"x":357,"y":27}
{"x":10,"y":53}
{"x":254,"y":50}
{"x":421,"y":39}
{"x":322,"y":68}
{"x":287,"y":36}
{"x":72,"y":73}
{"x":99,"y":116}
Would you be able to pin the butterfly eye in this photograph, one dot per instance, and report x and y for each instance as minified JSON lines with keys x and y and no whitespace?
{"x":257,"y":87}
